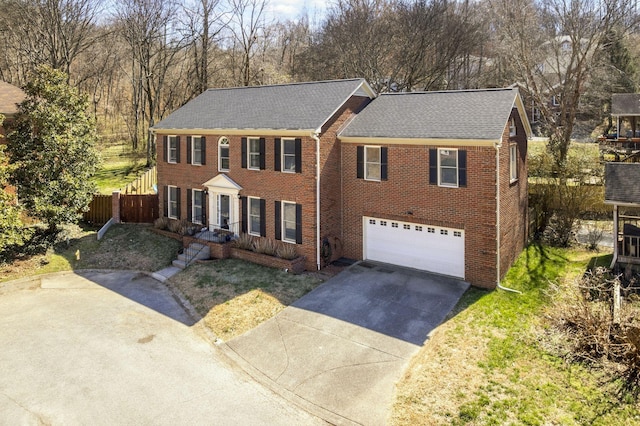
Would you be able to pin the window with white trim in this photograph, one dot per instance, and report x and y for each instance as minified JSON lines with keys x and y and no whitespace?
{"x":513,"y":162}
{"x":372,"y":163}
{"x":196,"y":150}
{"x":254,"y":216}
{"x":288,"y":155}
{"x":512,"y":127}
{"x":555,"y":100}
{"x":448,"y":167}
{"x":253,"y":153}
{"x":197,"y":206}
{"x":172,"y":149}
{"x":223,"y":154}
{"x":289,"y":229}
{"x":172,"y":202}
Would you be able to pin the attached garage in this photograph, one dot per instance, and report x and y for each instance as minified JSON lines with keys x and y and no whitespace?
{"x":414,"y":245}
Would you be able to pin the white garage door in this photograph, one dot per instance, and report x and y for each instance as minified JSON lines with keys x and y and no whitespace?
{"x":414,"y":245}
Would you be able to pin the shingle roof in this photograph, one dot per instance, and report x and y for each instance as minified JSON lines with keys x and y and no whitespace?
{"x":622,"y":183}
{"x":625,"y":104}
{"x":10,"y":95}
{"x":298,"y":106}
{"x":462,"y":114}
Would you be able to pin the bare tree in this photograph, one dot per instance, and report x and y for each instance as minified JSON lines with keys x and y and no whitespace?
{"x":247,"y":27}
{"x":53,"y":32}
{"x":148,"y":27}
{"x":204,"y":22}
{"x":550,"y":47}
{"x":434,"y":45}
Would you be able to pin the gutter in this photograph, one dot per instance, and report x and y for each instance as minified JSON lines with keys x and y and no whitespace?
{"x":315,"y":137}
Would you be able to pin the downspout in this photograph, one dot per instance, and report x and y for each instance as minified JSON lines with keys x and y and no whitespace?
{"x":498,"y":239}
{"x":315,"y":137}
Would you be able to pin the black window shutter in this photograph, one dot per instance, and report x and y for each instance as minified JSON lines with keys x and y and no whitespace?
{"x":263,"y":217}
{"x":189,"y":205}
{"x":277,"y":145}
{"x":178,"y":198}
{"x":384,"y":169}
{"x":298,"y":155}
{"x":433,"y":166}
{"x":263,"y":164}
{"x":360,"y":160}
{"x":299,"y":223}
{"x":245,"y":216}
{"x":177,"y":149}
{"x":244,"y":153}
{"x":278,"y":222}
{"x":166,"y":200}
{"x":203,"y":145}
{"x":203,"y":202}
{"x":189,"y":150}
{"x":462,"y":168}
{"x":165,"y":148}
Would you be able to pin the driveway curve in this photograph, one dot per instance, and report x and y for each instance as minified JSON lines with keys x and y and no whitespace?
{"x":101,"y":347}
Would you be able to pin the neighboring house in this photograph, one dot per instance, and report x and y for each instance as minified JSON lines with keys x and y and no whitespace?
{"x":623,"y":193}
{"x":10,"y":97}
{"x":435,"y":181}
{"x":625,"y":142}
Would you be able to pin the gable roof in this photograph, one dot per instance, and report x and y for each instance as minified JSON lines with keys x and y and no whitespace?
{"x":627,"y":104}
{"x":297,"y":106}
{"x":622,"y":183}
{"x":446,"y":115}
{"x":10,"y":95}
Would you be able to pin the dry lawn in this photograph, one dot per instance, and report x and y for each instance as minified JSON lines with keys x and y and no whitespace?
{"x":233,"y":296}
{"x":133,"y":247}
{"x":487,"y":364}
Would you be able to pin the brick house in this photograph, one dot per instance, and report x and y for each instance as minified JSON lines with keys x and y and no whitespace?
{"x":434,"y":181}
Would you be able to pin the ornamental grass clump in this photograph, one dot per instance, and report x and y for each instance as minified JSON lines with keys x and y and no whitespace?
{"x":243,"y":242}
{"x":287,"y":251}
{"x":265,"y":246}
{"x":161,"y":223}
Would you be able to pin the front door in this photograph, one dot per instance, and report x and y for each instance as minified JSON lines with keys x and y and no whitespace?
{"x":224,"y":211}
{"x":224,"y":203}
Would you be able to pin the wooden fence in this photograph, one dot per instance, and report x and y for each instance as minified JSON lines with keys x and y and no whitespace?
{"x":139,"y":208}
{"x":133,"y":209}
{"x":99,"y":210}
{"x":144,"y":183}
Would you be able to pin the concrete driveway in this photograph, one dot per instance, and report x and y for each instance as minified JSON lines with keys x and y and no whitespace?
{"x":339,"y":350}
{"x":117,"y":348}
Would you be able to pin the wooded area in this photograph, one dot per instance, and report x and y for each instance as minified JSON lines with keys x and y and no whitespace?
{"x":138,"y":60}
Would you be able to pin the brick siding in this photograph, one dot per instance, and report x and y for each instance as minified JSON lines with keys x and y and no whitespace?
{"x":269,"y":184}
{"x":408,"y":196}
{"x":405,"y":196}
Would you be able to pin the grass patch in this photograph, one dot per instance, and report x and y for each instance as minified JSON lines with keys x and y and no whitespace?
{"x":120,"y":166}
{"x":234,"y":296}
{"x":486,"y":364}
{"x":124,"y":246}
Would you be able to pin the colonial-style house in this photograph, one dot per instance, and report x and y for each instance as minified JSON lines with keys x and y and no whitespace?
{"x":434,"y":181}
